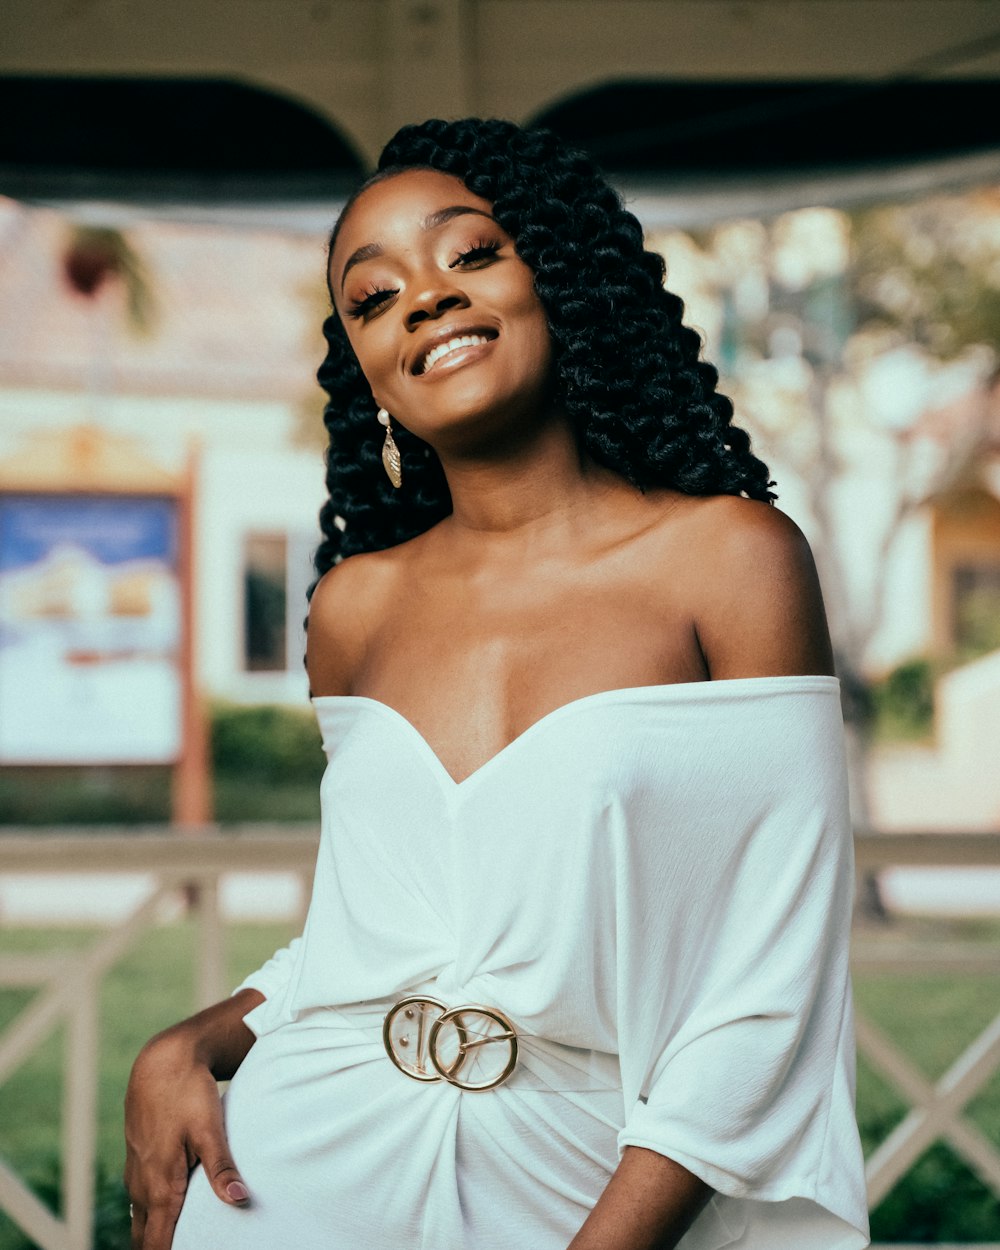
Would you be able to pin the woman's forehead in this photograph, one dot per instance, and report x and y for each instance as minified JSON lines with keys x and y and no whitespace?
{"x":401,"y":203}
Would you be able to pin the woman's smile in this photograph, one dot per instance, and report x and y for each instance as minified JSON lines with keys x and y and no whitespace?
{"x":451,"y":347}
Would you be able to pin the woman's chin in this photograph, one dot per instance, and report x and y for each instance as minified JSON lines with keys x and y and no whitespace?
{"x":468,"y":419}
{"x":479,"y":417}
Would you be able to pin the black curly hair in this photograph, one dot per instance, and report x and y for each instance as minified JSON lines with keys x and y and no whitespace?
{"x":628,"y":373}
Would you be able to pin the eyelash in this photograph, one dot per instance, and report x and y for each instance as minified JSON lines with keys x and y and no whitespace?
{"x":482,"y":249}
{"x":375,"y":295}
{"x":479,"y":250}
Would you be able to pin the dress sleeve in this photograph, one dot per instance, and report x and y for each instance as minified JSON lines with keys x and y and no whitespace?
{"x":742,"y":1068}
{"x":272,"y":977}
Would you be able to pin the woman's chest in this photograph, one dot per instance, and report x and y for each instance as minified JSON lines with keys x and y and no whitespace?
{"x":473,"y":672}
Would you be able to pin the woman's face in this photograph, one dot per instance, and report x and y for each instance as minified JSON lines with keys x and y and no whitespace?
{"x":440,"y":310}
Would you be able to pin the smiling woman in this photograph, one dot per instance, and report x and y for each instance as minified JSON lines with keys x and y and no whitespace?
{"x":575,"y":967}
{"x":451,"y":277}
{"x":626,"y":371}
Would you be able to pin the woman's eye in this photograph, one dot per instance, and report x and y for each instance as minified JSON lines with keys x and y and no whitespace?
{"x":370,"y":302}
{"x":478,"y":252}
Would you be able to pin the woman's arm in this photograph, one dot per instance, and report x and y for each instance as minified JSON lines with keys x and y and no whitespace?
{"x":760,"y":613}
{"x":649,"y":1204}
{"x":173,"y":1116}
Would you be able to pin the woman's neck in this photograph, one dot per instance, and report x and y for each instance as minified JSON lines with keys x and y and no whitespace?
{"x":536,"y":491}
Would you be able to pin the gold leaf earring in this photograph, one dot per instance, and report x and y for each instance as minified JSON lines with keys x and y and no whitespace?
{"x":390,"y":452}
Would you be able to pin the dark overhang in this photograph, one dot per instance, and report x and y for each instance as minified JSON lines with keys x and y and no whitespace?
{"x":176,"y":140}
{"x":113,"y":148}
{"x":661,"y":129}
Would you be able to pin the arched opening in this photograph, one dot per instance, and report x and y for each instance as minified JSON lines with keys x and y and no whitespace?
{"x":735,"y":128}
{"x":178,"y":139}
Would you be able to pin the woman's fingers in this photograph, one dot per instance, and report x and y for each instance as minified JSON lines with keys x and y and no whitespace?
{"x":155,"y":1215}
{"x":153,"y":1229}
{"x":209,"y":1145}
{"x":155,"y":1211}
{"x":158,"y":1226}
{"x":224,"y":1178}
{"x":137,"y":1215}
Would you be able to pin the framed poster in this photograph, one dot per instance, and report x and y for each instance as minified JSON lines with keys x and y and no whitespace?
{"x":90,"y":629}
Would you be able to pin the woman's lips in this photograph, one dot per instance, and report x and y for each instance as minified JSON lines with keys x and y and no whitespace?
{"x":455,"y":352}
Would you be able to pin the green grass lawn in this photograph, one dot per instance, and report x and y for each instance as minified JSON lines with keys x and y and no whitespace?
{"x":931,"y":1018}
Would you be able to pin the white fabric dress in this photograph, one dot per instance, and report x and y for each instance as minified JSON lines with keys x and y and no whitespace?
{"x":654,"y":884}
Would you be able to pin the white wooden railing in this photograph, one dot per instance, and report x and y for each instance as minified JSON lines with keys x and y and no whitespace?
{"x":69,"y":990}
{"x":936,"y":1110}
{"x":69,"y":986}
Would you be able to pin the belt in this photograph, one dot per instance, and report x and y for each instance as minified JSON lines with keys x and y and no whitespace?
{"x":471,"y":1046}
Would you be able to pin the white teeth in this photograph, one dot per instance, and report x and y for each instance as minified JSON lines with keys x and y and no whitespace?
{"x":442,"y":349}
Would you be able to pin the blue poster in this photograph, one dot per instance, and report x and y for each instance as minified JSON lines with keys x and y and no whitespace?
{"x":90,"y":629}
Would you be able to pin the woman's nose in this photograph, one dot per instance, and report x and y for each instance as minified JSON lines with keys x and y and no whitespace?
{"x":432,"y":302}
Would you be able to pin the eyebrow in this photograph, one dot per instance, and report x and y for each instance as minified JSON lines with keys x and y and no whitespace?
{"x":432,"y":221}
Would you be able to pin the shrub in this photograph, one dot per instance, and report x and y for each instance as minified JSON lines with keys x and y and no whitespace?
{"x":266,"y":743}
{"x":904,"y":700}
{"x":937,"y":1201}
{"x":81,"y":795}
{"x":267,"y":762}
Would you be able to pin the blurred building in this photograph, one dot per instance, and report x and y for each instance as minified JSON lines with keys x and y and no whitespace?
{"x":222,"y":365}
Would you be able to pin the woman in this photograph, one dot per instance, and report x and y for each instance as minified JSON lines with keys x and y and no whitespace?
{"x":575,"y":970}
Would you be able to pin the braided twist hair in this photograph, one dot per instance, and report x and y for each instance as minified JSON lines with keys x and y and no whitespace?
{"x":628,"y":373}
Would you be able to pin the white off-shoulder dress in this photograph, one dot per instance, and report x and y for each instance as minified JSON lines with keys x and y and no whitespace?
{"x":654,"y":885}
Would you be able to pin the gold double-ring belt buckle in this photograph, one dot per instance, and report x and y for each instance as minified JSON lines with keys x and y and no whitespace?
{"x":472,"y":1046}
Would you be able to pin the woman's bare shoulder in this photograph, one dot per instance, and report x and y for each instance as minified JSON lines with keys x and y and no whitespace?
{"x":756,"y":598}
{"x":345,"y":604}
{"x":734,"y":526}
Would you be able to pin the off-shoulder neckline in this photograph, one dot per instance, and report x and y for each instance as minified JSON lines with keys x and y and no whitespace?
{"x":785,"y":683}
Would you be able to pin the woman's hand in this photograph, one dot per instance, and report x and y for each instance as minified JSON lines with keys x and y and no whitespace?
{"x":173,"y":1118}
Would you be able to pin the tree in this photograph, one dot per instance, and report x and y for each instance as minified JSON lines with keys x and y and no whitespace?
{"x":838,"y":336}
